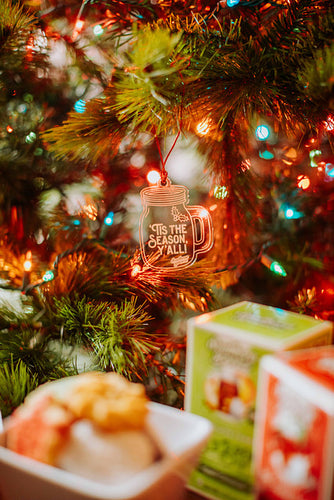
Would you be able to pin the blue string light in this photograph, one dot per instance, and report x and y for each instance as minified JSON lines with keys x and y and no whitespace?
{"x":329,"y":169}
{"x":266,"y":155}
{"x":291,"y":213}
{"x":80,"y":106}
{"x":262,"y":132}
{"x":109,"y":219}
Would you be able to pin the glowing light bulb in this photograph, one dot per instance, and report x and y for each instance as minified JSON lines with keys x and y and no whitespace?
{"x":48,"y":276}
{"x":80,"y":106}
{"x":91,"y":211}
{"x":313,"y":154}
{"x":220,"y":192}
{"x":203,"y":128}
{"x":329,"y":124}
{"x":27,"y":263}
{"x":277,"y":268}
{"x":291,"y":213}
{"x":9,"y":129}
{"x":30,"y":138}
{"x":303,"y":181}
{"x":262,"y":132}
{"x":329,"y":169}
{"x":135,"y":270}
{"x":273,"y":265}
{"x":98,"y":30}
{"x":77,"y":28}
{"x":245,"y":165}
{"x":266,"y":155}
{"x":79,"y":25}
{"x":109,"y":219}
{"x":153,"y":177}
{"x":204,"y":213}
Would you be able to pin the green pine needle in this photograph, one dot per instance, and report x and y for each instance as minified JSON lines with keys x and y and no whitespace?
{"x":25,"y":344}
{"x":16,"y":27}
{"x":88,"y":135}
{"x":148,"y":84}
{"x":317,"y":76}
{"x":116,"y":333}
{"x":16,"y":381}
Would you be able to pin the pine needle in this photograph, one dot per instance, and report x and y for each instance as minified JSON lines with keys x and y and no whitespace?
{"x":16,"y":381}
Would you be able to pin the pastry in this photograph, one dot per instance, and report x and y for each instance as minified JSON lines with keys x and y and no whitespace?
{"x":93,"y":424}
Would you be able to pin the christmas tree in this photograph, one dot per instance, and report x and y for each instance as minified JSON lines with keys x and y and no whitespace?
{"x":99,"y":100}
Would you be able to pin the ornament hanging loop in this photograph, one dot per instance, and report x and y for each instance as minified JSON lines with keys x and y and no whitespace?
{"x":164,"y":181}
{"x":164,"y":174}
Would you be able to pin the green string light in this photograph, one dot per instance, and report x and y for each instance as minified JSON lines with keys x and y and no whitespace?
{"x":48,"y":276}
{"x":277,"y":268}
{"x":274,"y":266}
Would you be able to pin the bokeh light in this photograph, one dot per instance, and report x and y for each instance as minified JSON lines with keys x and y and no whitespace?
{"x":262,"y":132}
{"x":153,"y":177}
{"x":303,"y":181}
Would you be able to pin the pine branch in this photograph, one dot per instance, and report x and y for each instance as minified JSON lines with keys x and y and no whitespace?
{"x":16,"y":26}
{"x":117,"y":334}
{"x":104,"y":275}
{"x":148,"y":84}
{"x":318,"y":73}
{"x":25,"y":344}
{"x":122,"y":343}
{"x":16,"y":381}
{"x":88,"y":135}
{"x":188,"y":289}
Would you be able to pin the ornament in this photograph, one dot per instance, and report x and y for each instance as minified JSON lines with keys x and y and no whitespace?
{"x":171,"y":232}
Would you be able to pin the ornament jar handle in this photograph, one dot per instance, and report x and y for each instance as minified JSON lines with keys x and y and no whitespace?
{"x":203,"y":239}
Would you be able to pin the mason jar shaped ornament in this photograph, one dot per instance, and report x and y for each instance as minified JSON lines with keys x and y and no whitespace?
{"x":171,"y":233}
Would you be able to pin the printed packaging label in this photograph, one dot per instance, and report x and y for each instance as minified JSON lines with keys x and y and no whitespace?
{"x":294,"y":438}
{"x":222,"y":371}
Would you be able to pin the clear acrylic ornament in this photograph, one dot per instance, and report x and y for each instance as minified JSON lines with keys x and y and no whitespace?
{"x":172,"y":233}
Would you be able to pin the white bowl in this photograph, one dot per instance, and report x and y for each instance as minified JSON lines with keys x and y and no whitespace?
{"x":182,"y":436}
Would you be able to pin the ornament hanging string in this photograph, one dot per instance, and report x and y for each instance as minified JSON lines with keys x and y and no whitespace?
{"x":164,"y":174}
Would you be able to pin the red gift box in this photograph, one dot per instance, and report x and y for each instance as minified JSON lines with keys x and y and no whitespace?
{"x":294,"y":426}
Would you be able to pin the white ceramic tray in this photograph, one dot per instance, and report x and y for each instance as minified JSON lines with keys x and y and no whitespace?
{"x":182,"y":435}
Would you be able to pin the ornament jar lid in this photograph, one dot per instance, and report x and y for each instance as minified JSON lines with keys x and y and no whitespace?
{"x":164,"y":195}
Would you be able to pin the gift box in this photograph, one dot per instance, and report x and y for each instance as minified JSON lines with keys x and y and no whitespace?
{"x":181,"y":435}
{"x":294,"y":431}
{"x":224,"y":349}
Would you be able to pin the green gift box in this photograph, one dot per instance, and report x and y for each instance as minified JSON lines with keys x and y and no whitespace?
{"x":224,"y":349}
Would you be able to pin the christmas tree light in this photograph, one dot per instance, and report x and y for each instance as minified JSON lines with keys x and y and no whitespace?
{"x":262,"y":132}
{"x":109,"y":219}
{"x":48,"y":276}
{"x":313,"y":155}
{"x":80,"y":106}
{"x":273,"y":265}
{"x":153,"y":177}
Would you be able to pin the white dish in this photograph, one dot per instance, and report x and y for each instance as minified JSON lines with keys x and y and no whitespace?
{"x":182,"y":436}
